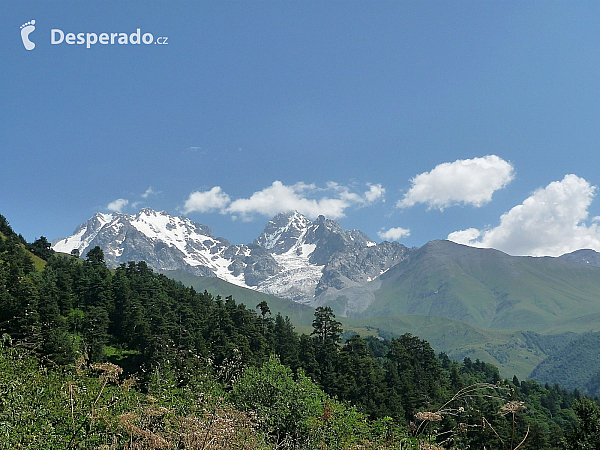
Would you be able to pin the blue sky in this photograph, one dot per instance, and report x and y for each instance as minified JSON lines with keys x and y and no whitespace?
{"x":408,"y":120}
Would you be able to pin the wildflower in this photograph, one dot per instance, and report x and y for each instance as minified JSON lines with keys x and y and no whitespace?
{"x":429,"y":416}
{"x":430,"y":447}
{"x":512,"y":407}
{"x":110,"y":372}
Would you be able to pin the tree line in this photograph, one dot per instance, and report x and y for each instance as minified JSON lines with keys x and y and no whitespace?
{"x":154,"y":327}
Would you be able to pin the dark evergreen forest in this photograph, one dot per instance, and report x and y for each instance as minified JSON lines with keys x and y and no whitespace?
{"x":95,"y":357}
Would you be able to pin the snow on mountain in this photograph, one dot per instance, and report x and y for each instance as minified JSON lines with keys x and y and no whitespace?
{"x":83,"y":234}
{"x":293,"y":258}
{"x":303,"y":249}
{"x":285,"y":236}
{"x":283,"y":232}
{"x":165,"y":242}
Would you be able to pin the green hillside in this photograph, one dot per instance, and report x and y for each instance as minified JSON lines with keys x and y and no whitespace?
{"x":512,"y":312}
{"x":93,"y":357}
{"x":513,"y":352}
{"x":589,"y":323}
{"x":489,"y":289}
{"x":38,"y":262}
{"x":301,"y":315}
{"x":575,"y":366}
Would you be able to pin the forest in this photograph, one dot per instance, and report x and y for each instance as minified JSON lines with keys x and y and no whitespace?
{"x":92,"y":357}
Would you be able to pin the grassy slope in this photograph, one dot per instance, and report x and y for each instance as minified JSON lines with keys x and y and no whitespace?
{"x":38,"y":262}
{"x":300,"y":315}
{"x":513,"y":352}
{"x":489,"y":289}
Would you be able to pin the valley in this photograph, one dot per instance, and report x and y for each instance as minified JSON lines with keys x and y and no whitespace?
{"x":513,"y":312}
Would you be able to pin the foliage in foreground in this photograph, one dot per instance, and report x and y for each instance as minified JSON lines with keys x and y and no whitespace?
{"x":87,"y":406}
{"x":92,"y":406}
{"x":207,"y":377}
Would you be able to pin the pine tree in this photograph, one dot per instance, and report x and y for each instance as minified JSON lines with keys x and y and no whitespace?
{"x":286,"y":342}
{"x":325,"y":328}
{"x":42,"y":248}
{"x":361,"y":378}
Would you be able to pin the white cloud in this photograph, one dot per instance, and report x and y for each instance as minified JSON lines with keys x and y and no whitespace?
{"x":375,"y":192}
{"x":393,"y":234}
{"x":117,"y":205}
{"x":308,"y":199}
{"x":281,"y":198}
{"x":468,"y":236}
{"x":464,"y":181}
{"x":548,"y":223}
{"x":207,"y":201}
{"x":149,"y":192}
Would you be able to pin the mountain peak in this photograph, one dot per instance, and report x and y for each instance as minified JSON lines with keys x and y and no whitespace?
{"x":289,"y":259}
{"x":151,"y":215}
{"x":583,"y":256}
{"x":283,"y":231}
{"x":149,"y":212}
{"x":102,"y":218}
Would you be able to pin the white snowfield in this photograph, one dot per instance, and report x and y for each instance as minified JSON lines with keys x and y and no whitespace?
{"x":82,"y":237}
{"x":298,"y":278}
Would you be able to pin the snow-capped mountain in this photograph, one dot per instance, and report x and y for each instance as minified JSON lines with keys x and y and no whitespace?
{"x":293,"y":258}
{"x":166,"y":243}
{"x":282,"y":232}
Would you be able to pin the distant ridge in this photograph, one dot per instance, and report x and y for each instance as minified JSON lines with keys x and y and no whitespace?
{"x":488,"y":288}
{"x":584,"y":256}
{"x":293,"y":258}
{"x":482,"y":303}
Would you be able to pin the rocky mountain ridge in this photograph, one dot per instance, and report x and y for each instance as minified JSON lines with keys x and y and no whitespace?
{"x":318,"y":263}
{"x":584,"y":256}
{"x":293,"y":258}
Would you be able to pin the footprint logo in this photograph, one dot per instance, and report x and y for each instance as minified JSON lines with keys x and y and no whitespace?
{"x":26,"y":30}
